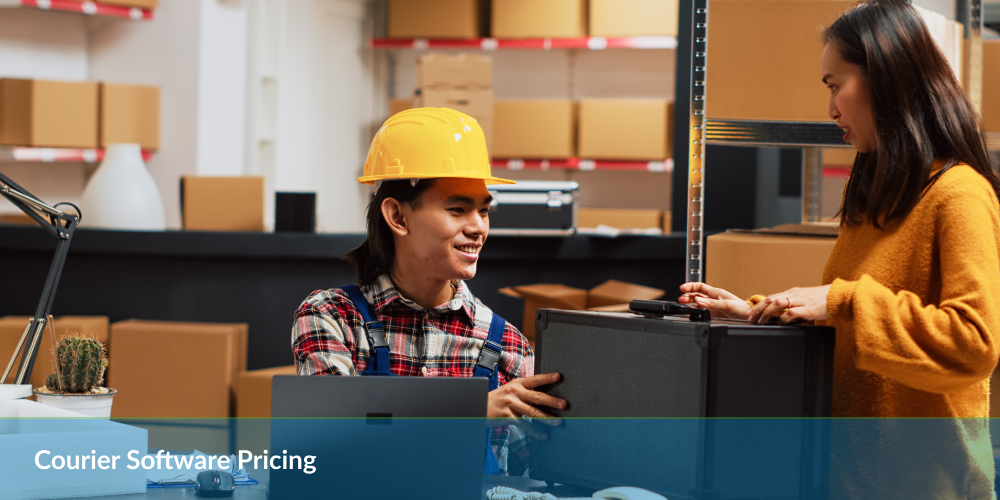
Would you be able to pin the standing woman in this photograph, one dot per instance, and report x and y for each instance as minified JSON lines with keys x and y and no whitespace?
{"x":913,"y":283}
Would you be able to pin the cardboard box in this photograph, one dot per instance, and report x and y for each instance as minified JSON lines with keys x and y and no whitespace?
{"x":611,"y":295}
{"x":399,"y":105}
{"x":991,"y":85}
{"x":539,"y":18}
{"x":616,"y":18}
{"x":667,"y":221}
{"x":626,"y":129}
{"x":222,"y":203}
{"x":534,"y":129}
{"x":619,"y":217}
{"x":443,"y":71}
{"x":142,"y":4}
{"x":12,"y":327}
{"x":166,"y":369}
{"x":254,"y":396}
{"x":42,"y":113}
{"x":747,"y":264}
{"x":477,"y":103}
{"x":785,"y":63}
{"x":437,"y":19}
{"x":130,"y":113}
{"x":839,"y":157}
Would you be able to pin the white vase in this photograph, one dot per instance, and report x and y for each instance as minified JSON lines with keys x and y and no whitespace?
{"x":121,"y":194}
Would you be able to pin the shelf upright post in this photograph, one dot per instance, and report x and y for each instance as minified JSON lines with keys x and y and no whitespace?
{"x":696,"y":143}
{"x":812,"y":184}
{"x":970,"y":14}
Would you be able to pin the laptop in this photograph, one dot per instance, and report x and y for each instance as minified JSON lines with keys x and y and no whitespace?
{"x":378,"y":437}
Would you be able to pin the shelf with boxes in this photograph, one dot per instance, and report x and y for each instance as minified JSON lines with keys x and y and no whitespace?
{"x":136,"y":10}
{"x":583,"y":164}
{"x":784,"y":104}
{"x":590,"y":43}
{"x":49,"y":155}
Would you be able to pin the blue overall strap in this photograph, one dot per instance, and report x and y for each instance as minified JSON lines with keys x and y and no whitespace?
{"x":486,"y":366}
{"x":489,"y":355}
{"x":378,"y":356}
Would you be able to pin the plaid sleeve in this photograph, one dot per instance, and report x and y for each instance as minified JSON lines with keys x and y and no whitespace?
{"x":321,"y":343}
{"x":517,"y":360}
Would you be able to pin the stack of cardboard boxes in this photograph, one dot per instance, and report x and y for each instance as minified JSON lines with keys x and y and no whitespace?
{"x":39,"y":113}
{"x":531,"y":18}
{"x":463,"y":82}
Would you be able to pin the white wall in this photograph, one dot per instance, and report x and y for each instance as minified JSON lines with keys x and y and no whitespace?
{"x":222,"y":70}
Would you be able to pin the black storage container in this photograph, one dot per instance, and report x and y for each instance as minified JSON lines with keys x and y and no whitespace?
{"x":534,"y":207}
{"x":644,"y":368}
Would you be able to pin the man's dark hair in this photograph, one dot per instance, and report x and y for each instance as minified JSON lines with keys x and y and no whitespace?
{"x":921,"y":112}
{"x":375,"y":256}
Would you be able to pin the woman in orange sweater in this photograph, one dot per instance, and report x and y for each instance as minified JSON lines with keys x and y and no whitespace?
{"x":913,"y":283}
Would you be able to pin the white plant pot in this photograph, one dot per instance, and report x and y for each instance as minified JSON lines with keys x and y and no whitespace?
{"x":121,"y":194}
{"x":90,"y":405}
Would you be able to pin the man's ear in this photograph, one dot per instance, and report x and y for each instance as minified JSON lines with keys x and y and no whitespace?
{"x":392,"y":212}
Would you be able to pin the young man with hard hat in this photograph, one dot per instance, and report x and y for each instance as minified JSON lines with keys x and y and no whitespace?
{"x":426,"y":225}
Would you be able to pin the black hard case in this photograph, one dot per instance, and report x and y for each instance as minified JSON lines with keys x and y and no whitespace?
{"x":534,"y":207}
{"x":616,"y":365}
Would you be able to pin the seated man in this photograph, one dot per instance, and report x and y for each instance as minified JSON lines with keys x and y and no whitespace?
{"x":426,"y":225}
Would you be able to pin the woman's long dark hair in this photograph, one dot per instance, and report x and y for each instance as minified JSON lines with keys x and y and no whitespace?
{"x":377,"y":253}
{"x":921,"y":112}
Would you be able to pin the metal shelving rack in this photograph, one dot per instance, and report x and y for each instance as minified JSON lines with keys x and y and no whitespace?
{"x":810,"y":136}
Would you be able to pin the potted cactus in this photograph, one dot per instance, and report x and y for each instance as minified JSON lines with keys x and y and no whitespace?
{"x":76,"y":383}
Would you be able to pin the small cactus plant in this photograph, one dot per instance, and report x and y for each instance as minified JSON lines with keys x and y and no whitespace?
{"x":81,"y":361}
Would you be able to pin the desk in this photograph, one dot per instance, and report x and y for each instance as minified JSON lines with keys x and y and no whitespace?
{"x":259,"y":491}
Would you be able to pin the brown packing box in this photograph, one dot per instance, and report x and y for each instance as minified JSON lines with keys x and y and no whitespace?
{"x":399,"y":105}
{"x":534,"y":129}
{"x":748,"y":80}
{"x":539,"y":18}
{"x":991,"y":85}
{"x":609,"y":296}
{"x":625,"y":129}
{"x":12,"y":327}
{"x":222,"y":203}
{"x":747,"y":264}
{"x":130,"y":113}
{"x":619,"y":217}
{"x":165,"y":369}
{"x":142,"y":4}
{"x":839,"y":157}
{"x":463,"y":70}
{"x":437,"y":18}
{"x":42,"y":113}
{"x":254,"y":396}
{"x":615,"y":18}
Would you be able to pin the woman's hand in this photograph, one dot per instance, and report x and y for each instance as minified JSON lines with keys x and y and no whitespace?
{"x":719,"y":302}
{"x":799,"y":305}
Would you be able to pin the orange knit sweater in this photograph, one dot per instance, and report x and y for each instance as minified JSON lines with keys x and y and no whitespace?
{"x":916,"y":306}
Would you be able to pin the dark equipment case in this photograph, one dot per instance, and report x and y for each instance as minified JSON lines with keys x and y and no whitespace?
{"x":622,"y":373}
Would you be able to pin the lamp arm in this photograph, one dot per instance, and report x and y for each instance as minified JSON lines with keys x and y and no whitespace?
{"x":62,"y":226}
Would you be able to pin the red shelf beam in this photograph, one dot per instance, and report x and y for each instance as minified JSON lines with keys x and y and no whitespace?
{"x":88,"y":8}
{"x":591,"y":42}
{"x":578,"y":164}
{"x":49,"y":155}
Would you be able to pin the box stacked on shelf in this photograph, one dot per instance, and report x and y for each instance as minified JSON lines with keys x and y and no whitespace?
{"x":462,"y":82}
{"x":39,"y":113}
{"x":534,"y":129}
{"x":623,"y":18}
{"x":991,"y":89}
{"x":222,"y":203}
{"x":625,"y":129}
{"x":539,"y":18}
{"x":437,"y":18}
{"x":131,"y":114}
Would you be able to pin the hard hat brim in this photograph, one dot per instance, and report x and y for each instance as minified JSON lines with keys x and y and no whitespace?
{"x":488,"y":180}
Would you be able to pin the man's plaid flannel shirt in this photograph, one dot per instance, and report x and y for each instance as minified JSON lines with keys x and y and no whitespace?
{"x":441,"y":342}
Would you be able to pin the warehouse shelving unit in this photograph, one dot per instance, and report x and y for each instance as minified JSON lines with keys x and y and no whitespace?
{"x":579,"y":164}
{"x":810,"y":136}
{"x":589,"y":42}
{"x":88,"y":8}
{"x":49,"y":155}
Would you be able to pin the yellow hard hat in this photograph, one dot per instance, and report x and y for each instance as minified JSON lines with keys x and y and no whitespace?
{"x":429,"y":143}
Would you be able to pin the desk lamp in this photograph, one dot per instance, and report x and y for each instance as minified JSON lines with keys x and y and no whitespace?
{"x":62,"y":226}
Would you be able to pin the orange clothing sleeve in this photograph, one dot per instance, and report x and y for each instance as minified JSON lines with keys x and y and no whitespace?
{"x":936,"y":348}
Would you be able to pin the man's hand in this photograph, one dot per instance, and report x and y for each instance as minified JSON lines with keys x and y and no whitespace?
{"x":519,"y":398}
